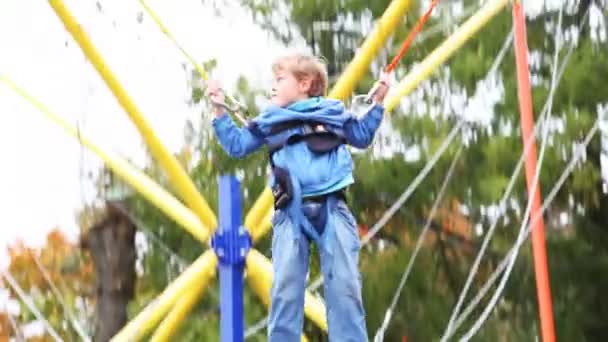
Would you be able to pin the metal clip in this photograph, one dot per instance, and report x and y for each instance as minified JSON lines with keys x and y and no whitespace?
{"x":237,"y":109}
{"x":361,"y":104}
{"x":372,"y":92}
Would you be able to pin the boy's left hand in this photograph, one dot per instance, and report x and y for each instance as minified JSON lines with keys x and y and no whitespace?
{"x":383,"y":85}
{"x":216,"y":95}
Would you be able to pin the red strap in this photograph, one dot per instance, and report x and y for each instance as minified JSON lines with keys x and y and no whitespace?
{"x":411,"y":37}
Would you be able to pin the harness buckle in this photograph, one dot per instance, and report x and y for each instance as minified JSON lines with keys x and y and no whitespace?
{"x":282,"y":190}
{"x":237,"y":109}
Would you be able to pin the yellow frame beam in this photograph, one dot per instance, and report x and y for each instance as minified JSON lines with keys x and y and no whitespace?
{"x":259,"y":275}
{"x":357,"y":68}
{"x":194,"y":278}
{"x":149,"y":189}
{"x":176,"y":173}
{"x":258,"y":219}
{"x":441,"y":54}
{"x":177,"y":315}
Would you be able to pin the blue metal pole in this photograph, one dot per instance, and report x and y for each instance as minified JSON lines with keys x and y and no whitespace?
{"x":231,"y":243}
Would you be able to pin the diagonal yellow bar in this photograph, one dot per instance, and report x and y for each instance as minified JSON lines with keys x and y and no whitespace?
{"x":177,"y":315}
{"x":176,"y":173}
{"x":444,"y":51}
{"x":259,"y":216}
{"x":137,"y":179}
{"x":198,"y":275}
{"x":386,"y":25}
{"x":259,"y":276}
{"x":263,"y":227}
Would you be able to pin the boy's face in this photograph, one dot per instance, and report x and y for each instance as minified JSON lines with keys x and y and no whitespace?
{"x":286,"y":88}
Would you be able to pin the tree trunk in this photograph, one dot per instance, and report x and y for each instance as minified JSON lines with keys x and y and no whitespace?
{"x":112,"y":245}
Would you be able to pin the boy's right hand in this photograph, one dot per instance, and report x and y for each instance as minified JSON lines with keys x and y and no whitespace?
{"x":383,"y":85}
{"x":216,"y":95}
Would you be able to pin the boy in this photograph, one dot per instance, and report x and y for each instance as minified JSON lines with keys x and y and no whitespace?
{"x":306,"y":137}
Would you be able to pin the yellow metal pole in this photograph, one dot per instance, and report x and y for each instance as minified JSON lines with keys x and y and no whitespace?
{"x":259,"y":276}
{"x":444,"y":51}
{"x":176,"y":173}
{"x":177,"y":315}
{"x":137,"y":179}
{"x":374,"y":42}
{"x":195,"y":277}
{"x":263,"y":227}
{"x":259,"y":212}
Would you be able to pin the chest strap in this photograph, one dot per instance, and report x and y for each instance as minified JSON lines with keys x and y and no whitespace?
{"x":318,"y":137}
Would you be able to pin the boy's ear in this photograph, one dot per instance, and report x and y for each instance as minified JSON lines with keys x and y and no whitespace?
{"x":305,"y":84}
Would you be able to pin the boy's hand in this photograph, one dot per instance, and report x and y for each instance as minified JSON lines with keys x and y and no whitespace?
{"x":216,"y":95}
{"x":383,"y":85}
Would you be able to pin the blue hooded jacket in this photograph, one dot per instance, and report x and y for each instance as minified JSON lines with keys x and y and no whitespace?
{"x":317,"y":174}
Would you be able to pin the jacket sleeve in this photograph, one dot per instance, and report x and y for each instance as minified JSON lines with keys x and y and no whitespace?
{"x":360,"y":131}
{"x":237,"y":142}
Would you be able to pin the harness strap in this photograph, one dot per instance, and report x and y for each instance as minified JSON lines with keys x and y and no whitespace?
{"x":318,"y":137}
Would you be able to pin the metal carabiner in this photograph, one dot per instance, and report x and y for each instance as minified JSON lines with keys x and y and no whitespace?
{"x":237,"y":109}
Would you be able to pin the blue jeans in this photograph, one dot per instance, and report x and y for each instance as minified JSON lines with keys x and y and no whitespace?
{"x":342,"y":280}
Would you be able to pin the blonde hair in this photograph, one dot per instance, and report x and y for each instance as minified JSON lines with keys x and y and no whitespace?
{"x":304,"y":66}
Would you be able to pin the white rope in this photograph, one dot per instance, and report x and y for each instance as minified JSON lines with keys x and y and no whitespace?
{"x":556,"y":77}
{"x":543,"y":118}
{"x":523,"y":230}
{"x":380,"y":333}
{"x":379,"y":337}
{"x":256,"y":328}
{"x":413,"y":186}
{"x":504,"y":263}
{"x":24,"y":298}
{"x":490,"y":306}
{"x":521,"y":234}
{"x":18,"y":335}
